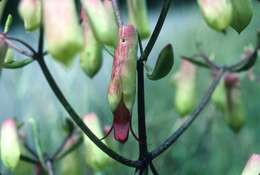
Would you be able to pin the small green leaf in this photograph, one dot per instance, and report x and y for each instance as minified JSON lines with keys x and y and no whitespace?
{"x":242,"y":14}
{"x":164,"y":63}
{"x":8,"y":23}
{"x":16,"y":64}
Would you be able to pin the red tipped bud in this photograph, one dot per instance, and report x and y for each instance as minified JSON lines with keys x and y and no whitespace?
{"x":185,"y":88}
{"x":122,"y":87}
{"x":10,"y":150}
{"x":62,"y":29}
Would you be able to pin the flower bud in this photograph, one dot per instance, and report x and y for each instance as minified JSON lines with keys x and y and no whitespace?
{"x":185,"y":88}
{"x":10,"y":150}
{"x":217,"y":13}
{"x":138,"y":16}
{"x":91,"y":55}
{"x":253,"y":165}
{"x":122,"y":87}
{"x":62,"y":29}
{"x":102,"y":22}
{"x":30,"y":11}
{"x":242,"y":14}
{"x":235,"y":112}
{"x":95,"y":158}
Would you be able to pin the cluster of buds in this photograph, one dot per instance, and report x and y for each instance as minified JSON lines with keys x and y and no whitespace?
{"x":220,"y":14}
{"x":122,"y":87}
{"x":9,"y":144}
{"x":227,"y":98}
{"x":185,"y":82}
{"x":95,"y":158}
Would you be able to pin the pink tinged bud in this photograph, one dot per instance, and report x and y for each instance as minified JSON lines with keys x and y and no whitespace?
{"x":138,"y":16}
{"x":30,"y":11}
{"x":10,"y":150}
{"x":122,"y":87}
{"x":253,"y":166}
{"x":63,"y":32}
{"x":185,"y":88}
{"x":95,"y":158}
{"x":217,"y":13}
{"x":102,"y":21}
{"x":91,"y":55}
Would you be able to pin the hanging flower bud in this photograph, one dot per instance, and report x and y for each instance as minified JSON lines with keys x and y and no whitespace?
{"x":219,"y":96}
{"x":62,"y":29}
{"x":30,"y":11}
{"x":185,"y":88}
{"x":10,"y":150}
{"x":95,"y":158}
{"x":102,"y":21}
{"x":217,"y":13}
{"x":253,"y":165}
{"x":234,"y":114}
{"x":91,"y":55}
{"x":242,"y":14}
{"x":138,"y":16}
{"x":122,"y":87}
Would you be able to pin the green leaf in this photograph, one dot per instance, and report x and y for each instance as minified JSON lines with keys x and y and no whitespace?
{"x":164,"y":63}
{"x":8,"y":23}
{"x":16,"y":64}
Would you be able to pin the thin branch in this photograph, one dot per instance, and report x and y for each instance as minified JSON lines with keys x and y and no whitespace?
{"x":174,"y":137}
{"x":60,"y":148}
{"x":22,"y":42}
{"x":28,"y":159}
{"x":30,"y":150}
{"x":49,"y":165}
{"x":157,"y":29}
{"x":153,"y":169}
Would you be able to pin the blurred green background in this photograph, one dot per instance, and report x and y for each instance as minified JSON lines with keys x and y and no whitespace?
{"x":208,"y":147}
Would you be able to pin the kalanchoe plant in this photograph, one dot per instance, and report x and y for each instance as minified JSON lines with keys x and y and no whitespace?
{"x":59,"y":24}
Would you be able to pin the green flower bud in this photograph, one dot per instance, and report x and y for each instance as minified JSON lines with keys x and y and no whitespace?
{"x":102,"y":21}
{"x":91,"y":55}
{"x":30,"y":11}
{"x":62,"y":29}
{"x":253,"y":166}
{"x":3,"y":50}
{"x":122,"y":87}
{"x":217,"y":13}
{"x":235,"y":112}
{"x":185,"y":88}
{"x":95,"y":158}
{"x":138,"y":16}
{"x":242,"y":14}
{"x":10,"y":150}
